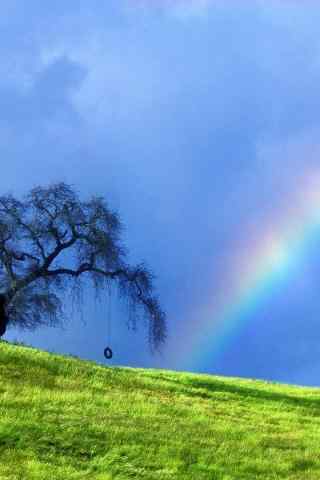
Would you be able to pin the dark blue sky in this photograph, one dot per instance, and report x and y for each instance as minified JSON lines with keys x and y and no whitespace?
{"x":197,"y":121}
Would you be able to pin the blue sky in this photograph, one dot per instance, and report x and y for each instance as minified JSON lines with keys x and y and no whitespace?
{"x":197,"y":120}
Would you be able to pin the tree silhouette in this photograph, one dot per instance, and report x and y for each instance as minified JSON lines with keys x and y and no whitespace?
{"x":51,"y":242}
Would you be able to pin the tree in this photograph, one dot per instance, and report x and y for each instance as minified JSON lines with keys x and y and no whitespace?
{"x":52,"y":242}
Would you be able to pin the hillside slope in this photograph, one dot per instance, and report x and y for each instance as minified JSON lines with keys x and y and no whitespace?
{"x":62,"y":418}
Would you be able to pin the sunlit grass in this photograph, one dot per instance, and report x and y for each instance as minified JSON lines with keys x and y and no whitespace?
{"x":62,"y":418}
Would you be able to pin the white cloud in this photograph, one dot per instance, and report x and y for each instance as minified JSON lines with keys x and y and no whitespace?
{"x":193,"y":8}
{"x":181,"y":9}
{"x":291,"y":161}
{"x":283,"y":11}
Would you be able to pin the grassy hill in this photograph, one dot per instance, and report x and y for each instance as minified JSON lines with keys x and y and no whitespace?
{"x":62,"y":418}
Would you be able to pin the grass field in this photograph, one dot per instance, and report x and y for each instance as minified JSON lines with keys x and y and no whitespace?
{"x":62,"y":418}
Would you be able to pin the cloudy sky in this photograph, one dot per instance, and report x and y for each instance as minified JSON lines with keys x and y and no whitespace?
{"x":199,"y":121}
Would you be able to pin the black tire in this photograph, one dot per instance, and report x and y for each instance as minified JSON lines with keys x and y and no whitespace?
{"x":108,"y":353}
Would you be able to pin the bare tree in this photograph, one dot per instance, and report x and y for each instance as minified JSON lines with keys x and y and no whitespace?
{"x":51,"y":242}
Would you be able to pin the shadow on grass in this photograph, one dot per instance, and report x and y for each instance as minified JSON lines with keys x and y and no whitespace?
{"x":207,"y":390}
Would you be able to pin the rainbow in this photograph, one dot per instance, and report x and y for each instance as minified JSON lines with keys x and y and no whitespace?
{"x":261,"y":271}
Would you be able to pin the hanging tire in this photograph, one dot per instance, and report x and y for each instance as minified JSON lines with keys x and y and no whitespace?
{"x":108,"y":353}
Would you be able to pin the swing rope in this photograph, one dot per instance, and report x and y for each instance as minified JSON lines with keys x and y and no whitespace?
{"x":107,"y":351}
{"x":109,"y":318}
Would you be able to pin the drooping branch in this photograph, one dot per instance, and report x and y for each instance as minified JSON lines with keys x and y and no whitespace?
{"x":124,"y":273}
{"x":23,"y":256}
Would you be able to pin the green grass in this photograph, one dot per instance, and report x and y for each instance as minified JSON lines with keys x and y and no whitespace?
{"x":62,"y":418}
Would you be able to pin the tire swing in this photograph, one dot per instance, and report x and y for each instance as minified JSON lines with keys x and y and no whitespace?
{"x":108,"y":353}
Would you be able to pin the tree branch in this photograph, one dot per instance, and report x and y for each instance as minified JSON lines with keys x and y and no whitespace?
{"x":56,"y":252}
{"x":21,"y":257}
{"x":85,"y":267}
{"x":41,"y":271}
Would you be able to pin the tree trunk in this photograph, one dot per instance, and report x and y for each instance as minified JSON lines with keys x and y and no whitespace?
{"x":3,"y":315}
